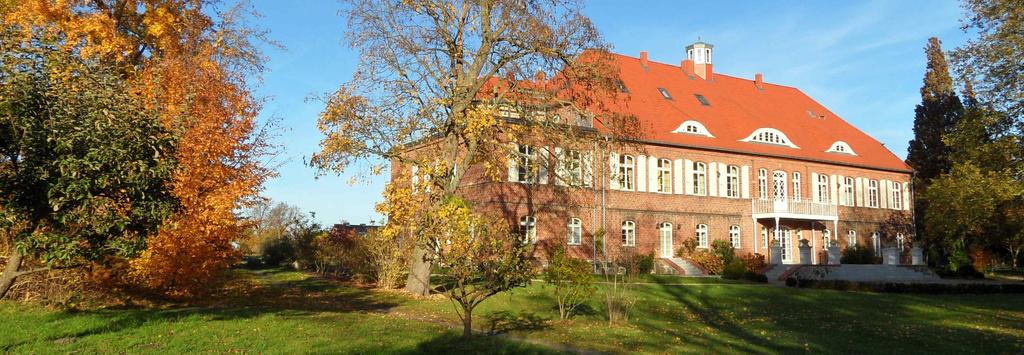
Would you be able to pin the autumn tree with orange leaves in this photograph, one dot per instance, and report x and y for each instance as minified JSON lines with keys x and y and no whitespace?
{"x":433,"y":77}
{"x":192,"y":64}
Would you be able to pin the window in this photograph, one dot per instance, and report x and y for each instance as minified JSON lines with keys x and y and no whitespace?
{"x":622,"y":86}
{"x":665,"y":234}
{"x":762,"y":184}
{"x":732,"y":181}
{"x":700,"y":178}
{"x":822,"y":188}
{"x":779,"y":184}
{"x":627,"y":167}
{"x":734,"y":236}
{"x":847,"y":196}
{"x":900,"y":241}
{"x":876,"y":243}
{"x":703,"y":101}
{"x":665,"y":176}
{"x":693,"y":127}
{"x":851,"y":239}
{"x":841,"y":148}
{"x":764,"y":238}
{"x":702,"y":235}
{"x":575,"y":231}
{"x":873,"y":193}
{"x":826,"y":239}
{"x":897,"y":196}
{"x":769,"y":136}
{"x":528,"y":229}
{"x":628,"y":233}
{"x":526,"y":164}
{"x":796,"y":186}
{"x":572,"y":168}
{"x":665,"y":94}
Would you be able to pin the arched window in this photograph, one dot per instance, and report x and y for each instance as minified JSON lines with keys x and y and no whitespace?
{"x":665,"y":238}
{"x":665,"y":176}
{"x":897,"y":196}
{"x":628,"y":233}
{"x":762,"y":184}
{"x":732,"y":181}
{"x":764,"y":238}
{"x":693,"y":127}
{"x":841,"y":148}
{"x":823,"y":188}
{"x":769,"y":136}
{"x":826,"y":239}
{"x":700,"y":178}
{"x":900,"y":241}
{"x":528,"y":229}
{"x":876,"y":243}
{"x":627,"y":171}
{"x":873,"y":193}
{"x":796,"y":186}
{"x":848,"y":197}
{"x":575,"y":227}
{"x":851,"y":239}
{"x":526,"y":164}
{"x":779,"y":184}
{"x":702,"y":235}
{"x":734,"y":236}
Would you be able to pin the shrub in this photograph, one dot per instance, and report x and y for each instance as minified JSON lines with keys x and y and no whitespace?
{"x":753,"y":262}
{"x":385,"y":258}
{"x":572,"y":280}
{"x":734,"y":270}
{"x":277,"y":251}
{"x":710,"y":262}
{"x":724,"y":250}
{"x":859,"y":255}
{"x":645,"y":264}
{"x":895,"y":287}
{"x":963,"y":272}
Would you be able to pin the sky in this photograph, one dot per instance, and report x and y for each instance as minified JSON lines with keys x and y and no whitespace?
{"x":864,"y":60}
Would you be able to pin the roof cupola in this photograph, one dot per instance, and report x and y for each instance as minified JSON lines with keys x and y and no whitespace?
{"x":700,"y":54}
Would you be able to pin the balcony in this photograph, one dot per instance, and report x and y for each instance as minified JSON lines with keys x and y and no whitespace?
{"x":785,"y":208}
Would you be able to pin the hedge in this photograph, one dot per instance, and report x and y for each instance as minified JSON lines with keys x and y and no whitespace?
{"x":896,"y":287}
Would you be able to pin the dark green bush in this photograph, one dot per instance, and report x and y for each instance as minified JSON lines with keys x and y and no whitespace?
{"x":963,"y":272}
{"x":278,"y":251}
{"x":646,"y":264}
{"x":892,"y":287}
{"x":724,"y":250}
{"x":734,"y":270}
{"x":859,"y":255}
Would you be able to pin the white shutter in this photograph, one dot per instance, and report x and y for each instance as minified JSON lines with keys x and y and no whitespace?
{"x":588,"y":169}
{"x":513,"y":164}
{"x":414,"y":176}
{"x":883,"y":193}
{"x":544,"y":160}
{"x":906,"y":196}
{"x":722,"y":180}
{"x":815,"y":190}
{"x":834,"y":195}
{"x":841,"y":186}
{"x":641,"y":173}
{"x":859,"y":192}
{"x":712,"y":179}
{"x":677,"y":177}
{"x":561,"y":174}
{"x":745,"y":182}
{"x":688,"y":176}
{"x":613,"y":175}
{"x":652,"y":174}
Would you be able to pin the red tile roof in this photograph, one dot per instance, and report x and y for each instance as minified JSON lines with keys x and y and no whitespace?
{"x":738,"y":108}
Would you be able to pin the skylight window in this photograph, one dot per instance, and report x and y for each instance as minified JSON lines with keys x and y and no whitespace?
{"x":769,"y":136}
{"x":703,"y":101}
{"x":693,"y":127}
{"x":811,"y":114}
{"x":622,"y":86}
{"x":841,"y":148}
{"x":665,"y":94}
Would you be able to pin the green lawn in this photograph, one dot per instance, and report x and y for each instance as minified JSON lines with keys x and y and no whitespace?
{"x":289,"y":312}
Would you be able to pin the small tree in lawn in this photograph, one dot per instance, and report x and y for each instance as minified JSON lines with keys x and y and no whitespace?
{"x":479,"y":257}
{"x":572,"y":279}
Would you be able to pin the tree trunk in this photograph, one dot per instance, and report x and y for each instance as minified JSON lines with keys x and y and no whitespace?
{"x":467,"y":321}
{"x":418,"y":282}
{"x":10,"y":272}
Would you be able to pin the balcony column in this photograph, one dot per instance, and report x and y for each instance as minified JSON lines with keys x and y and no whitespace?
{"x":814,"y":246}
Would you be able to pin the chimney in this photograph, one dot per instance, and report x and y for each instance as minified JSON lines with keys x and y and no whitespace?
{"x":687,"y":67}
{"x":700,"y":54}
{"x":643,"y":58}
{"x":759,"y":81}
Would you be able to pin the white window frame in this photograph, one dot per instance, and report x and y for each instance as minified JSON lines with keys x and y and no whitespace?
{"x":735,"y":236}
{"x":897,"y":196}
{"x":823,"y":190}
{"x":841,"y":148}
{"x":826,"y":239}
{"x":900,"y":241}
{"x":700,"y":178}
{"x":762,"y":184}
{"x":628,"y":233}
{"x":664,"y":170}
{"x":769,"y":136}
{"x":876,"y":243}
{"x":627,"y":172}
{"x":732,"y":181}
{"x":528,"y":229}
{"x":693,"y":127}
{"x":702,"y":236}
{"x":572,"y":164}
{"x":664,"y":229}
{"x":526,"y":162}
{"x":779,"y":192}
{"x":847,"y":192}
{"x":764,"y":237}
{"x":575,"y":229}
{"x":851,"y":238}
{"x":796,"y":186}
{"x":872,"y":193}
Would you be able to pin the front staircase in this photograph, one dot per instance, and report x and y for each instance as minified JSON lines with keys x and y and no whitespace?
{"x":683,"y":267}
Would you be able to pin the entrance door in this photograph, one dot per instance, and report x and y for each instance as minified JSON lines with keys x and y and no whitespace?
{"x":785,"y":241}
{"x":666,"y":240}
{"x":779,"y":191}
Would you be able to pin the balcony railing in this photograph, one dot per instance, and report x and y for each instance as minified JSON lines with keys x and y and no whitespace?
{"x":794,"y":209}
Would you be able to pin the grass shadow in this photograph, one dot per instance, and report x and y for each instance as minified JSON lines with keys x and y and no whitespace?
{"x":506,"y":321}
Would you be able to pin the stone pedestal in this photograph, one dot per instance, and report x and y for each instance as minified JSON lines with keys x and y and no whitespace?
{"x":890,"y":256}
{"x":916,"y":256}
{"x":805,"y":252}
{"x":833,"y":255}
{"x":775,"y":254}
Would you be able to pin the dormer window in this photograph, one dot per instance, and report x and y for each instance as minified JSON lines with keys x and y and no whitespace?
{"x":841,"y":148}
{"x":665,"y":94}
{"x":769,"y":136}
{"x":693,"y":127}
